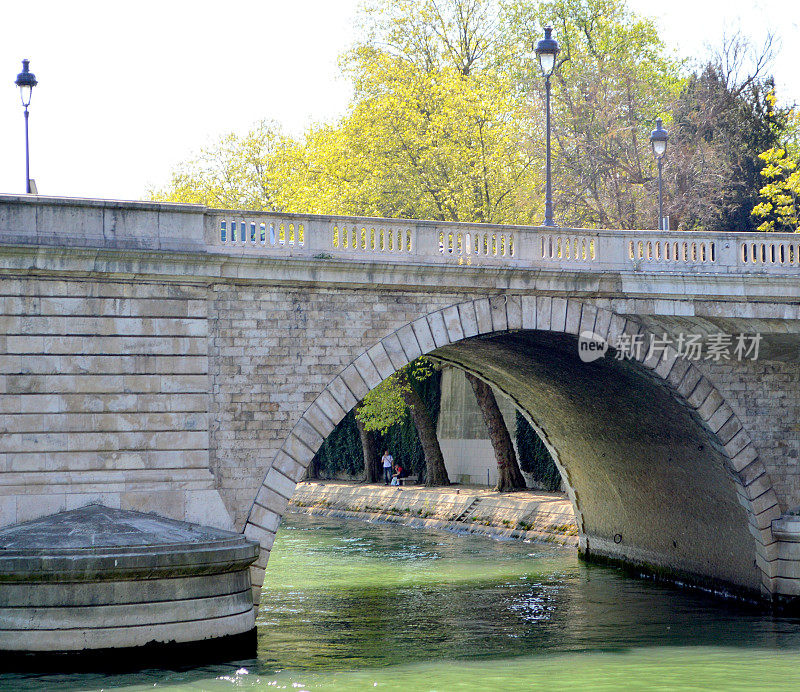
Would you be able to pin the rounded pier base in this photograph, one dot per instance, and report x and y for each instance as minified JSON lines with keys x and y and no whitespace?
{"x":117,"y":583}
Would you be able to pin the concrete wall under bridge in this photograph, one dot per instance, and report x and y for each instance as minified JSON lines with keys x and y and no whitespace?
{"x":189,"y":362}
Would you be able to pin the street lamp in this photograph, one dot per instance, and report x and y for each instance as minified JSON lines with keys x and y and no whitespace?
{"x":658,"y":140}
{"x":26,"y":80}
{"x":546,"y":51}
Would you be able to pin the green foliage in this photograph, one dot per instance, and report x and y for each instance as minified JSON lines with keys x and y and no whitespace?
{"x":384,"y":405}
{"x":434,"y":131}
{"x":340,"y":453}
{"x":534,"y":457}
{"x":724,"y":119}
{"x":613,"y":78}
{"x":447,"y":123}
{"x":781,"y":192}
{"x":237,"y":172}
{"x":401,"y":439}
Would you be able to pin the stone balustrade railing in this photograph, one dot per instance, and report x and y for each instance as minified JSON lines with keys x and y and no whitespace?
{"x":480,"y":244}
{"x":26,"y":220}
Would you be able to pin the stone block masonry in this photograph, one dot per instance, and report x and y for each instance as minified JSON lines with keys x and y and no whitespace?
{"x":104,"y":397}
{"x":272,"y":352}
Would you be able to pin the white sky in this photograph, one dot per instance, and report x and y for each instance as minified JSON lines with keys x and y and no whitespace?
{"x":128,"y":89}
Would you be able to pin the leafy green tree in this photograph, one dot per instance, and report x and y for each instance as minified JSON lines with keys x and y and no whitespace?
{"x":236,"y":172}
{"x":780,"y":194}
{"x":433,"y":132}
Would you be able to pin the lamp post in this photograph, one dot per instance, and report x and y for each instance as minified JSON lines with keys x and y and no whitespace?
{"x":546,"y":51}
{"x":658,"y":140}
{"x":26,"y":80}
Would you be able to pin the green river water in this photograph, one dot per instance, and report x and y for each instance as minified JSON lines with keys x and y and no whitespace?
{"x":350,"y":605}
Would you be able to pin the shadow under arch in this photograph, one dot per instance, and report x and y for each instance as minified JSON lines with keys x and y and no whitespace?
{"x":658,"y":467}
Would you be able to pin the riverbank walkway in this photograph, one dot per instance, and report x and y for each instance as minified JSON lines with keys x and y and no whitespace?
{"x":524,"y":515}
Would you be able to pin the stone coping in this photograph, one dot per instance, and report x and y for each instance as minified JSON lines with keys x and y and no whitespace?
{"x":96,"y":543}
{"x":787,"y":528}
{"x":138,"y":205}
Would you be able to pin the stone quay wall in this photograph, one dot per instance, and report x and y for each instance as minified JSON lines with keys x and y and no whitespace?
{"x":524,"y":515}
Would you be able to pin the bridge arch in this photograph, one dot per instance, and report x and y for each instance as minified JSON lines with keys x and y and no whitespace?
{"x":720,"y":519}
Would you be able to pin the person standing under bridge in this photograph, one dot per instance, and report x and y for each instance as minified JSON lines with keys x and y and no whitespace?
{"x":388,"y":461}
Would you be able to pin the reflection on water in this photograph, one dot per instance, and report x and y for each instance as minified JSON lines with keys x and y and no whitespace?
{"x":349,"y":605}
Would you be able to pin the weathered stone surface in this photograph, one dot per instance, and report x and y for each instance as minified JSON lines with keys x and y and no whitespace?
{"x":96,"y":578}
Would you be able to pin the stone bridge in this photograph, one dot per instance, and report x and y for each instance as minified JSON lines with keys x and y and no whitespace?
{"x":189,"y":362}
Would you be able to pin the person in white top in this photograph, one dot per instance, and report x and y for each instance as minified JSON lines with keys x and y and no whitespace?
{"x":388,"y":461}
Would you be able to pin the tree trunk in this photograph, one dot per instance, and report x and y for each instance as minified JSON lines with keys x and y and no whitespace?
{"x":370,"y":449}
{"x":435,"y":471}
{"x":509,"y":476}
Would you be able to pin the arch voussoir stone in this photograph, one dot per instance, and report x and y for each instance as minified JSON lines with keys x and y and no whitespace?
{"x":342,"y":394}
{"x":452,"y":322}
{"x":308,"y":434}
{"x":528,"y":307}
{"x":354,"y":383}
{"x":317,"y":418}
{"x":469,"y":320}
{"x":732,"y":426}
{"x":719,"y":418}
{"x":483,"y":314}
{"x":588,"y":319}
{"x":438,"y":329}
{"x":602,"y":323}
{"x":272,"y":500}
{"x":330,"y":407}
{"x":369,"y":373}
{"x":544,"y":307}
{"x":514,"y":312}
{"x":422,"y":331}
{"x":280,"y":483}
{"x":380,"y":359}
{"x":288,"y":466}
{"x":573,"y":318}
{"x":744,"y":458}
{"x":394,"y":349}
{"x":297,"y":450}
{"x":667,"y":363}
{"x":409,"y":342}
{"x":616,"y":328}
{"x":497,"y":311}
